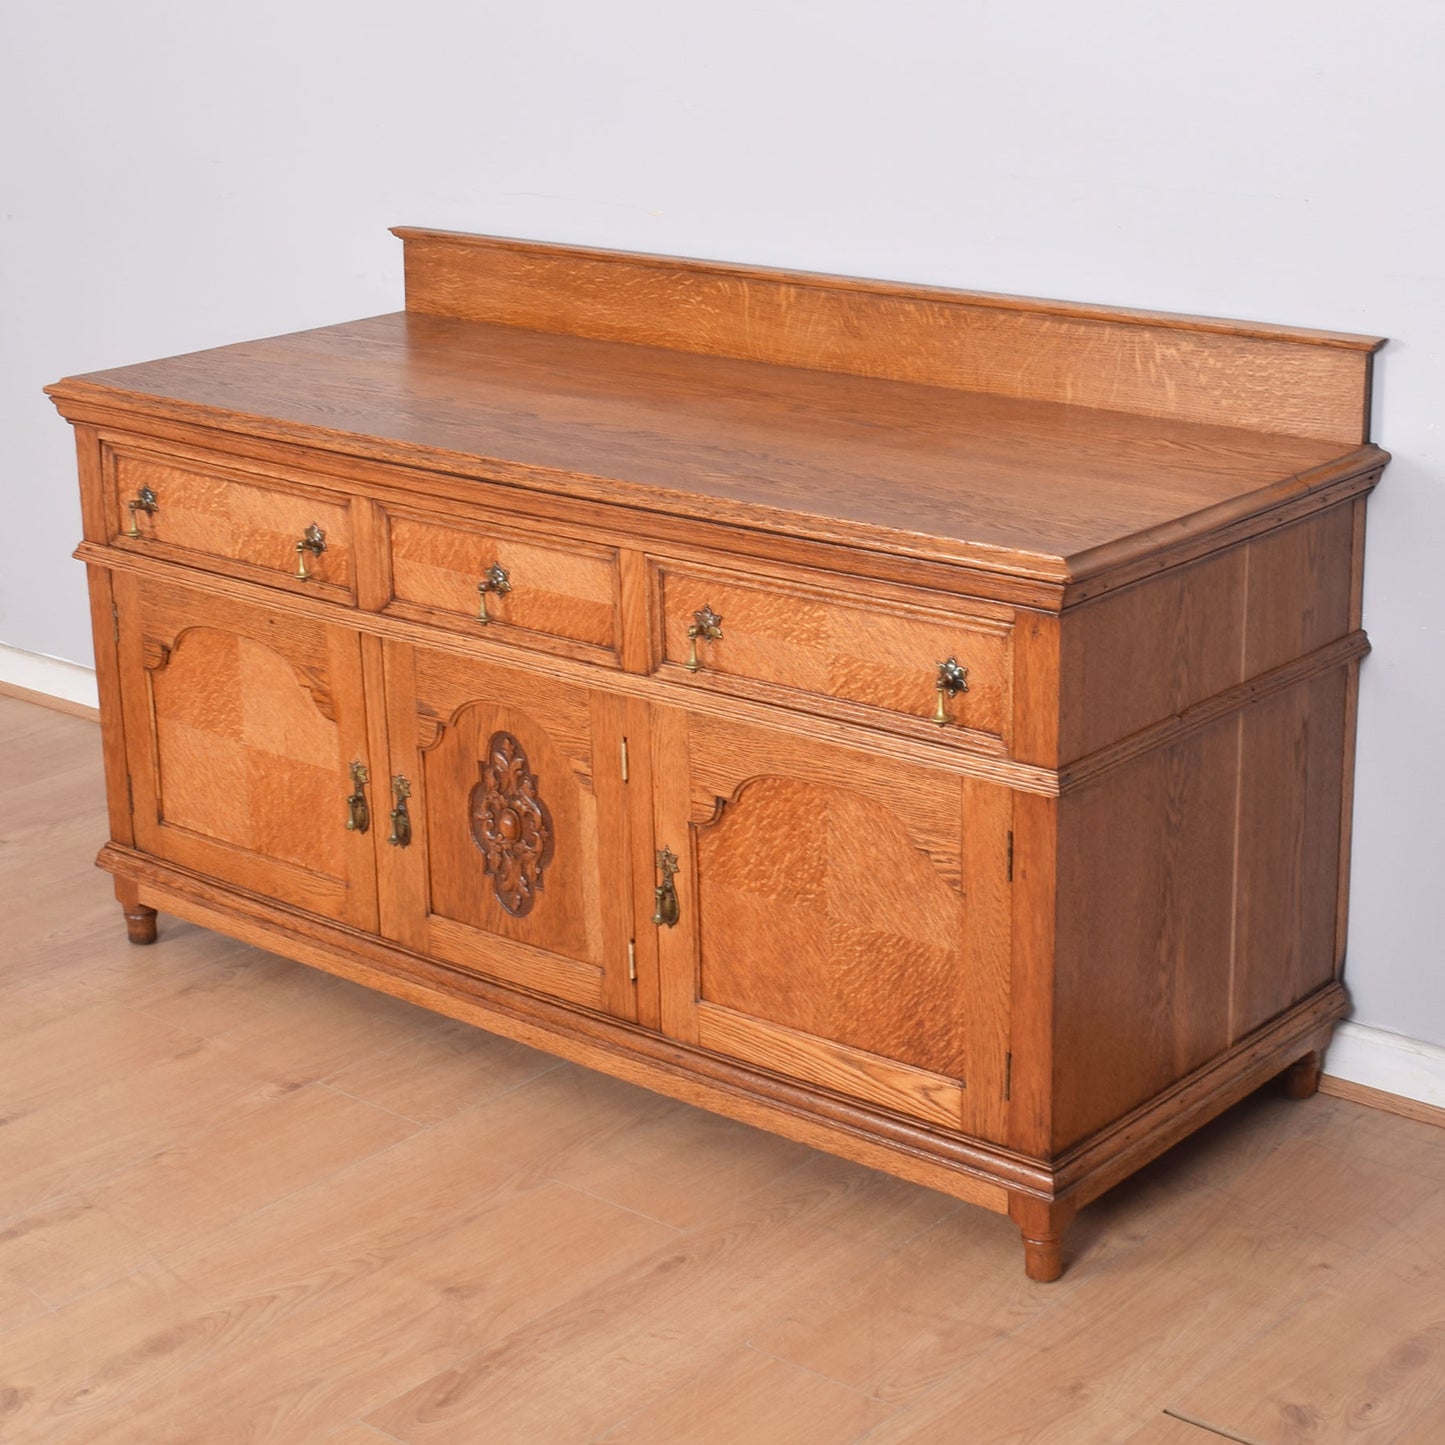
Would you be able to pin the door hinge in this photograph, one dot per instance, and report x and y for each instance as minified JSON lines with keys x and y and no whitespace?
{"x":632,"y":960}
{"x":1010,"y":855}
{"x":1008,"y":1077}
{"x":114,"y":622}
{"x":624,"y":760}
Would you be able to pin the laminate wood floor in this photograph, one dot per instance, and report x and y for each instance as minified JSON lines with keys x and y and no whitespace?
{"x":244,"y":1201}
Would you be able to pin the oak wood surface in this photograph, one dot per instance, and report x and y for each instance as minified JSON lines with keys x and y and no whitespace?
{"x":1015,"y":979}
{"x":1147,"y":876}
{"x":1273,"y":378}
{"x":210,"y":1188}
{"x":828,"y":897}
{"x":1009,"y":484}
{"x":568,"y":935}
{"x":216,"y":518}
{"x":856,"y":646}
{"x":918,"y":742}
{"x":564,"y":588}
{"x":242,"y":726}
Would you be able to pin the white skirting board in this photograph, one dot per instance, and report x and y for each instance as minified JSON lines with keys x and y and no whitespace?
{"x":1391,"y":1063}
{"x":1359,"y":1054}
{"x":53,"y":676}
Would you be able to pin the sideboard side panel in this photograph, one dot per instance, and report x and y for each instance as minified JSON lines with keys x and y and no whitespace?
{"x":1145,"y":940}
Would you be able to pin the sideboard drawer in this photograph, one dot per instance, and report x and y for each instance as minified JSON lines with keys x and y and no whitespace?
{"x":183,"y":510}
{"x":557,"y":594}
{"x":786,"y":640}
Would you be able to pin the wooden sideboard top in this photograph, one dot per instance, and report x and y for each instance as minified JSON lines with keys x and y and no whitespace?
{"x":1047,"y":489}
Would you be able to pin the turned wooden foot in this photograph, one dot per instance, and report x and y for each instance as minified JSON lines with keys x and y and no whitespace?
{"x":1302,"y":1078}
{"x":1041,"y":1225}
{"x":140,"y":923}
{"x":140,"y":918}
{"x":1044,"y":1258}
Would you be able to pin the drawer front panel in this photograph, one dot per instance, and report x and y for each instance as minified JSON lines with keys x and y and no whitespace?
{"x":187,"y":512}
{"x":786,"y":641}
{"x":554,"y":591}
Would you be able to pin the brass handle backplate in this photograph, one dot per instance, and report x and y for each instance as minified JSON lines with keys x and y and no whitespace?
{"x":400,"y":836}
{"x":313,"y":540}
{"x":143,"y":501}
{"x":358,"y":815}
{"x":707,"y":627}
{"x":666,"y":912}
{"x":495,"y":579}
{"x":952,"y":680}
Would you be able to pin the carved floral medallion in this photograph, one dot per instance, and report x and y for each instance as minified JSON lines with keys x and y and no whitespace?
{"x":511,"y":824}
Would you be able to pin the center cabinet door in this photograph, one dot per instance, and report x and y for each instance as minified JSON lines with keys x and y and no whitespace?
{"x":842,"y":919}
{"x":512,"y":861}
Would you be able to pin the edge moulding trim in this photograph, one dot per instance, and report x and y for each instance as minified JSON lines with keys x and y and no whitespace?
{"x":1362,"y":1060}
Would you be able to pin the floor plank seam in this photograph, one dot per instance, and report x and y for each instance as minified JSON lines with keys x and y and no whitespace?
{"x":677,"y":1229}
{"x":375,"y":1430}
{"x":822,"y":1375}
{"x":1213,"y":1429}
{"x":421,"y":1125}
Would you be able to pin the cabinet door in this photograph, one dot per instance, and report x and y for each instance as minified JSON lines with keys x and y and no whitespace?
{"x":242,"y":723}
{"x":843,"y":918}
{"x":517,"y":864}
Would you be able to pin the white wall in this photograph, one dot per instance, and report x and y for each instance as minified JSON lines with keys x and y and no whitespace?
{"x":178,"y":174}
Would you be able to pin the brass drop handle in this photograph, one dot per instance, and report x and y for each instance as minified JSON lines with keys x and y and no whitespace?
{"x":358,"y":815}
{"x":143,"y":501}
{"x":707,"y":626}
{"x":952,"y":680}
{"x":400,"y":836}
{"x":666,"y":912}
{"x":495,"y":580}
{"x":313,"y":540}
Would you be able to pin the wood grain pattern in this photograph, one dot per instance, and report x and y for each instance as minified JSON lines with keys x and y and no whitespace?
{"x":1330,"y":1371}
{"x":1272,"y":378}
{"x":811,"y":1056}
{"x":1291,"y":750}
{"x":820,"y":913}
{"x":1011,"y":487}
{"x":829,"y":900}
{"x":242,"y":724}
{"x":565,"y":589}
{"x":1160,"y":647}
{"x":1147,"y":880}
{"x":214,"y":518}
{"x":879,"y":652}
{"x":443,"y":712}
{"x":789,"y":1404}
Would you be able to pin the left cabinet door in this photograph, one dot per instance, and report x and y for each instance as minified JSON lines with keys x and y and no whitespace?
{"x":245,"y":732}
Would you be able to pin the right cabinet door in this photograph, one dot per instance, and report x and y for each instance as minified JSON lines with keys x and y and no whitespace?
{"x":843,"y":918}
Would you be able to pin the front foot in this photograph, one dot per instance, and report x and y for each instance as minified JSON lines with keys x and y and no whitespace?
{"x":1041,"y":1225}
{"x":1044,"y":1258}
{"x":140,"y":923}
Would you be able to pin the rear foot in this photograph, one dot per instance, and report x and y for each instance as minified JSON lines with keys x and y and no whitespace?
{"x":1302,"y":1078}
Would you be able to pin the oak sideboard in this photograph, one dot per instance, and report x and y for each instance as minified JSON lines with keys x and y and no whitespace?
{"x":916,"y":722}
